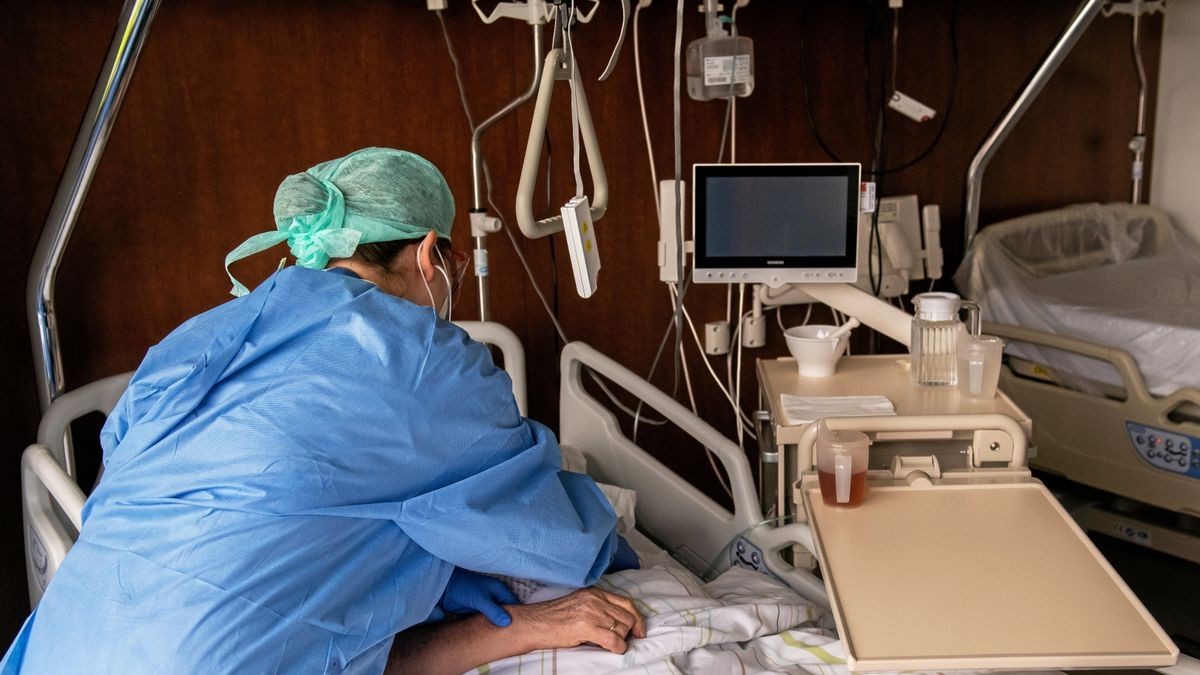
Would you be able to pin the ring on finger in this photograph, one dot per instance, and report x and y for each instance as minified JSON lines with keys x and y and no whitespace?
{"x":613,"y":627}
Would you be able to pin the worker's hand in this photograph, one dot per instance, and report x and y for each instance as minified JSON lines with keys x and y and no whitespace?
{"x":590,"y":615}
{"x":625,"y":557}
{"x":468,"y":593}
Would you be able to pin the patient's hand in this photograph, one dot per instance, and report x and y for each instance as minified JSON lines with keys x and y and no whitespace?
{"x":588,"y":615}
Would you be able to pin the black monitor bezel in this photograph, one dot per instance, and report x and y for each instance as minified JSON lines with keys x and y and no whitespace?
{"x":702,"y":172}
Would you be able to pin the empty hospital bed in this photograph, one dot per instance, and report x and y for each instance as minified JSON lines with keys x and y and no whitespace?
{"x":1100,"y":306}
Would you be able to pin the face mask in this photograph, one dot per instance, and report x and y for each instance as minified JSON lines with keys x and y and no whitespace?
{"x":447,"y":308}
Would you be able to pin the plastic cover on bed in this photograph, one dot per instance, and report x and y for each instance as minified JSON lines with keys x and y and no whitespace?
{"x":1118,"y":274}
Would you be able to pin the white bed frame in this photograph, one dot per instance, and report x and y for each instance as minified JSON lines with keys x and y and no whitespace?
{"x":670,"y":510}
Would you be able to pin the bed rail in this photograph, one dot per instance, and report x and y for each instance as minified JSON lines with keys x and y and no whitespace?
{"x":1087,"y":436}
{"x":47,"y":494}
{"x":1119,"y":359}
{"x":51,"y":500}
{"x":669,"y":509}
{"x":99,"y":396}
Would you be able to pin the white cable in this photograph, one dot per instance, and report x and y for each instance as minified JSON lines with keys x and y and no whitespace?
{"x":570,"y":45}
{"x":733,"y":129}
{"x":716,"y":378}
{"x":462,"y":92}
{"x":677,"y":138}
{"x":737,"y":386}
{"x":487,"y":176}
{"x":733,"y":101}
{"x":637,"y":69}
{"x":449,"y":288}
{"x":779,"y":318}
{"x":692,"y":401}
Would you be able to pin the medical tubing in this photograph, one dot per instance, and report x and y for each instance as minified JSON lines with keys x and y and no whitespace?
{"x":487,"y":176}
{"x":678,"y":138}
{"x":637,"y":70}
{"x":946,"y":108}
{"x":478,"y":163}
{"x":653,"y":365}
{"x":875,"y":244}
{"x":570,"y":47}
{"x":662,"y":343}
{"x":733,"y":103}
{"x":711,"y":371}
{"x":895,"y":44}
{"x":715,"y":563}
{"x":681,"y":288}
{"x":729,"y":126}
{"x":554,"y":290}
{"x":736,"y":385}
{"x":1139,"y":141}
{"x":692,"y":400}
{"x":712,"y":463}
{"x":546,"y":306}
{"x":462,"y":93}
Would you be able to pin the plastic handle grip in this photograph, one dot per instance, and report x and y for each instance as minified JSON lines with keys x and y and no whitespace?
{"x":843,"y":466}
{"x":531,"y":227}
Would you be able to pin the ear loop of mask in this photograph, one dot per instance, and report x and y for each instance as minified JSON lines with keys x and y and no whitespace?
{"x":449,"y":291}
{"x":449,"y":287}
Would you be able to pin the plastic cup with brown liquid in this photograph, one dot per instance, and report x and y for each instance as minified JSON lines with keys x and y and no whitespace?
{"x":842,"y":466}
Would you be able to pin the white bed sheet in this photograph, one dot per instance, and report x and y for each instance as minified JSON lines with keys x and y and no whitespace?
{"x":1162,"y":333}
{"x":1116,"y":274}
{"x":741,"y":622}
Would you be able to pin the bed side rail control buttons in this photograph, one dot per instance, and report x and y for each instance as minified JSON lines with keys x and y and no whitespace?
{"x":1166,"y":450}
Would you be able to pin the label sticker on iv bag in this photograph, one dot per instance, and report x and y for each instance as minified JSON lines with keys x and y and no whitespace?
{"x":719,"y":69}
{"x":866,"y":197}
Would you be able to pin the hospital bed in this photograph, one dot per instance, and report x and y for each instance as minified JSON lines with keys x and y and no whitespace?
{"x":758,"y":614}
{"x":1100,"y":306}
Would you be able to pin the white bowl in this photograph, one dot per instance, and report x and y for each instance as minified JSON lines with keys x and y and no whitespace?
{"x":815,"y":354}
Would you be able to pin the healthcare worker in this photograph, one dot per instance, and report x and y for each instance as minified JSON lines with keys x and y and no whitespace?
{"x":296,"y":476}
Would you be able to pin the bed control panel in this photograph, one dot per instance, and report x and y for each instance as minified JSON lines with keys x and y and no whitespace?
{"x":1166,"y":450}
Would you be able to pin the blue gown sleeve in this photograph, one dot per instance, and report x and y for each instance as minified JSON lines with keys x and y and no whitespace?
{"x":509,"y":509}
{"x":532,"y":522}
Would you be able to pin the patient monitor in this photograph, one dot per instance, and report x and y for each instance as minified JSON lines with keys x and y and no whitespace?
{"x":775,"y":224}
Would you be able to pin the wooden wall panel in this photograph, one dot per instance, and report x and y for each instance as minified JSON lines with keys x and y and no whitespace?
{"x":231,"y":97}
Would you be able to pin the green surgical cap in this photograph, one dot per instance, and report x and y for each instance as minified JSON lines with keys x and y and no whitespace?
{"x":368,"y":196}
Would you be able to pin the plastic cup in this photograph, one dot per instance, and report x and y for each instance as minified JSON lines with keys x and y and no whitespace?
{"x":815,"y":354}
{"x":979,"y":359}
{"x":842,"y":466}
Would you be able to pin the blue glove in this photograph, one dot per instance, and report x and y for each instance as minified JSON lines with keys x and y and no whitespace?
{"x":468,"y":593}
{"x":625,"y":558}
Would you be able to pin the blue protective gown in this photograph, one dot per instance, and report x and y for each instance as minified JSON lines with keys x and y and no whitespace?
{"x":289,"y":481}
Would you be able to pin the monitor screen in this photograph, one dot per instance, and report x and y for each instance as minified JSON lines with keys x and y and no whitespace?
{"x":775,"y":223}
